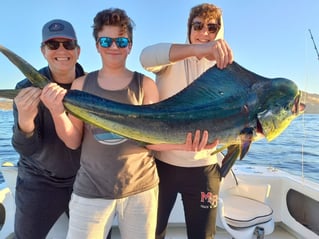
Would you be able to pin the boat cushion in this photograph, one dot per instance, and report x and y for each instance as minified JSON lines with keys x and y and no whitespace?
{"x":243,"y":212}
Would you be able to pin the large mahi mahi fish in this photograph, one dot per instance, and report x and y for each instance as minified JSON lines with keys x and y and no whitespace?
{"x":233,"y":104}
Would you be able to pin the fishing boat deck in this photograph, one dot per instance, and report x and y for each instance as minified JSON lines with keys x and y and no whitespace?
{"x":179,"y":232}
{"x":290,"y":221}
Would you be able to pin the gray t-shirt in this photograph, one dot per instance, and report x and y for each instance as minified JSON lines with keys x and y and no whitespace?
{"x":113,"y":167}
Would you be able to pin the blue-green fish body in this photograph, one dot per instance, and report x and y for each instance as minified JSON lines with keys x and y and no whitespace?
{"x":233,"y":104}
{"x":224,"y":102}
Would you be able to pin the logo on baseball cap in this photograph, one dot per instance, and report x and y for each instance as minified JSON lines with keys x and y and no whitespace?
{"x":58,"y":29}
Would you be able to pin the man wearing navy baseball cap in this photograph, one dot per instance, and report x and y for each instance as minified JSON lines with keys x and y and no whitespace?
{"x":46,"y":167}
{"x":58,"y":29}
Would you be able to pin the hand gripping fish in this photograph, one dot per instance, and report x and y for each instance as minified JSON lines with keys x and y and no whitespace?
{"x":234,"y":105}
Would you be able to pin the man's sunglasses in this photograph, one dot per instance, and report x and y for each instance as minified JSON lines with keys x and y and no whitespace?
{"x":54,"y":45}
{"x":211,"y":27}
{"x":121,"y":42}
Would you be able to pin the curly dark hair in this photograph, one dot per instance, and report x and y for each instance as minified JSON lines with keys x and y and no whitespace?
{"x":206,"y":11}
{"x":113,"y":17}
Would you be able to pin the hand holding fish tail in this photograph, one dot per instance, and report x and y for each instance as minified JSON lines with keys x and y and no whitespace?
{"x":52,"y":96}
{"x":27,"y":102}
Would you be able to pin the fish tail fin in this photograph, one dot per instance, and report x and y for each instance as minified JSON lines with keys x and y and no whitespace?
{"x":27,"y":69}
{"x":9,"y":94}
{"x":233,"y":152}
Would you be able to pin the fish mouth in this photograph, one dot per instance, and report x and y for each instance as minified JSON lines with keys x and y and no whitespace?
{"x":259,"y":128}
{"x":298,"y":107}
{"x":259,"y":131}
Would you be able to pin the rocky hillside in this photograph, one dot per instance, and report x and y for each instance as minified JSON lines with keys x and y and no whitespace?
{"x":5,"y":104}
{"x":311,"y":101}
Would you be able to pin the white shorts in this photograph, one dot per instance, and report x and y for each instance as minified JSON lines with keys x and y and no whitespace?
{"x":93,"y":218}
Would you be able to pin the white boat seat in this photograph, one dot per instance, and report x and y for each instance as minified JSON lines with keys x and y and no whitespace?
{"x":241,"y":212}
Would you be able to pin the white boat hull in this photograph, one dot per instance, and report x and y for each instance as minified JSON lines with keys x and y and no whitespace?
{"x":294,"y":202}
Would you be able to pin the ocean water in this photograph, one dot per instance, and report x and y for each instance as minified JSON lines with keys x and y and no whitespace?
{"x":7,"y":153}
{"x":296,"y":150}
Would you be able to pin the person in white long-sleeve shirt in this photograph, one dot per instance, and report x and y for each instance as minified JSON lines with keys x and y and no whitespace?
{"x":193,"y":174}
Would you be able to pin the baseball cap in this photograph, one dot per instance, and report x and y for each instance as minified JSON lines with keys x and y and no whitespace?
{"x":58,"y":28}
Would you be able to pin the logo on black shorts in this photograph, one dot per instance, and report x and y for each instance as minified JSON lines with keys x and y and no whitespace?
{"x":208,"y":200}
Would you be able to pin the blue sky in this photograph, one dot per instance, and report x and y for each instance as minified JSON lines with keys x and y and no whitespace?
{"x":270,"y":38}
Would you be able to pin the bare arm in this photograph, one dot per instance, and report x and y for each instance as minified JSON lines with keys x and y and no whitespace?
{"x":151,"y":94}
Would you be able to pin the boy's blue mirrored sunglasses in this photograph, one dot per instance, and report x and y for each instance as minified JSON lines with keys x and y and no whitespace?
{"x":121,"y":42}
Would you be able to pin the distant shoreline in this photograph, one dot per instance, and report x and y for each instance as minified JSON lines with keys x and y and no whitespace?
{"x":5,"y":104}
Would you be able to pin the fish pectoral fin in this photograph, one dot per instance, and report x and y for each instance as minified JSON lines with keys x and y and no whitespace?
{"x":244,"y":150}
{"x":246,"y":138}
{"x":8,"y":94}
{"x":233,"y":152}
